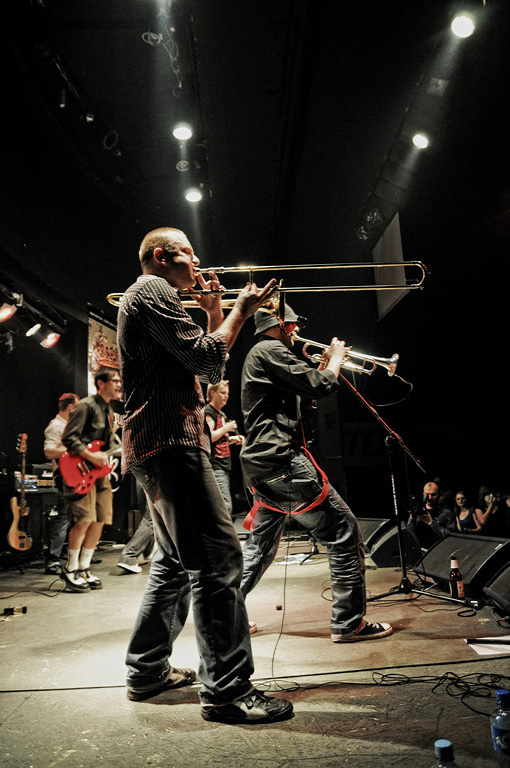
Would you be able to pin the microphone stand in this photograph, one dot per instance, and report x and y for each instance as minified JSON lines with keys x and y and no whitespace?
{"x":404,"y":587}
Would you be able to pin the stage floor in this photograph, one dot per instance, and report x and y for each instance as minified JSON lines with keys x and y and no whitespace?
{"x":380,"y":703}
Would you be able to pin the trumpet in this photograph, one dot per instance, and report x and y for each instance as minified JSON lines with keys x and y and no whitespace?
{"x":408,"y":284}
{"x":368,"y":365}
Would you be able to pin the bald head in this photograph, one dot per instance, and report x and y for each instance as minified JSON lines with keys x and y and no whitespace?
{"x":431,"y":494}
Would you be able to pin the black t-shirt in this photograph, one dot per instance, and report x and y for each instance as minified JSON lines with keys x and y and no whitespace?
{"x":220,"y":450}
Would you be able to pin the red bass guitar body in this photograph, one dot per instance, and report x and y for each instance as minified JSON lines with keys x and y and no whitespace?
{"x":81,"y":474}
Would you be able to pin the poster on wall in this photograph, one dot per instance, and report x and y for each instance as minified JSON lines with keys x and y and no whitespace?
{"x":103,"y":353}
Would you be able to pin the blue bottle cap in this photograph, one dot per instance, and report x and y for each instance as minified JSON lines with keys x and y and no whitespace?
{"x":503,"y":697}
{"x":444,"y":749}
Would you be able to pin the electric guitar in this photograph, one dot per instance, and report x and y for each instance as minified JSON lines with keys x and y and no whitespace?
{"x":18,"y":536}
{"x":81,"y":474}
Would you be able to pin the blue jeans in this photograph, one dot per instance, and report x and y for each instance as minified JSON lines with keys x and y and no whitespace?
{"x":331,"y":524}
{"x":223,"y":479}
{"x":142,"y":540}
{"x":58,"y":523}
{"x":199,"y":557}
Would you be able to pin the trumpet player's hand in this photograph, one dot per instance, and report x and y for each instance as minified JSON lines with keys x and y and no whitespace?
{"x":334,"y":356}
{"x":252,"y":298}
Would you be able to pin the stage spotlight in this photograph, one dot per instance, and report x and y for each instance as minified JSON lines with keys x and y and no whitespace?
{"x":182,"y":131}
{"x":50,"y":340}
{"x":421,"y":141}
{"x":193,"y":195}
{"x":43,"y":335}
{"x":463,"y":26}
{"x":33,"y":329}
{"x":7,"y":311}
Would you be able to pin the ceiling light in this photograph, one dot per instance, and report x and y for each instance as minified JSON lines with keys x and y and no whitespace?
{"x":182,"y":131}
{"x":463,"y":26}
{"x":420,"y":140}
{"x":7,"y":311}
{"x":193,"y":195}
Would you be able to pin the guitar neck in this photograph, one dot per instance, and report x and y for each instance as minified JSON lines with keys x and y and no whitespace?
{"x":22,"y":503}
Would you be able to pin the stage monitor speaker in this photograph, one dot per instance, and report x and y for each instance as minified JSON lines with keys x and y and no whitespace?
{"x":498,"y":590}
{"x":479,"y":558}
{"x":385,"y":552}
{"x":372,"y":529}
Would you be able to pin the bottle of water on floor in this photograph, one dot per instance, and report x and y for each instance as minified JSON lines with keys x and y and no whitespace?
{"x":500,"y":728}
{"x":444,"y":754}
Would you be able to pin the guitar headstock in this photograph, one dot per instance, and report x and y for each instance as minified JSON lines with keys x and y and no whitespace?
{"x":21,"y":445}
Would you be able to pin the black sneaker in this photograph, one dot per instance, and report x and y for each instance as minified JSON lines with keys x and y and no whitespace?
{"x":365,"y":631}
{"x":176,"y":678}
{"x":92,"y":581}
{"x":74,"y":581}
{"x":253,"y":707}
{"x":53,"y":567}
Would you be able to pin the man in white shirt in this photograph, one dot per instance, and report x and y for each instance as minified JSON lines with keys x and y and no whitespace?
{"x":53,"y":449}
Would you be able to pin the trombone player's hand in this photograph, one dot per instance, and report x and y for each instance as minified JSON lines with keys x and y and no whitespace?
{"x":252,"y":297}
{"x":209,"y":302}
{"x":334,"y":356}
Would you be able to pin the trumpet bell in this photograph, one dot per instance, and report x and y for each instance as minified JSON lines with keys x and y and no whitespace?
{"x":367,"y":365}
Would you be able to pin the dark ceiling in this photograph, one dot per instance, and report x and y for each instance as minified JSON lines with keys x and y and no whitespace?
{"x":303,"y":113}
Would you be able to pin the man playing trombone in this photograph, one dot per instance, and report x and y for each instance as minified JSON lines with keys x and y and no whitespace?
{"x":284,"y":477}
{"x":163,"y":352}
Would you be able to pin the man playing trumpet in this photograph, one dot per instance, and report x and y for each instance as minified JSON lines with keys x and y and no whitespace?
{"x":285,"y":479}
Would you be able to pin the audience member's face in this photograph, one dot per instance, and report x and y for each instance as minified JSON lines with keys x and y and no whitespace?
{"x":220,"y":397}
{"x":430,"y":494}
{"x":460,"y":500}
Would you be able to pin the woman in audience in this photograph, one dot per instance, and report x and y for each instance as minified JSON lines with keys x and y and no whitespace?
{"x":466,"y":517}
{"x":492,"y":512}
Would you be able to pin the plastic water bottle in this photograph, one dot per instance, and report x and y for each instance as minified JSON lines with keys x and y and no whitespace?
{"x":456,"y":581}
{"x":444,"y":754}
{"x":500,"y":728}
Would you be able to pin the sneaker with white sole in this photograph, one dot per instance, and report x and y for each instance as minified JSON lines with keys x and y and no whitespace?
{"x":366,"y":631}
{"x":252,"y":708}
{"x":129,"y":567}
{"x":176,"y":678}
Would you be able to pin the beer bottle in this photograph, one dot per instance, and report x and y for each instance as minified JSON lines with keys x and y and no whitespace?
{"x":456,"y":582}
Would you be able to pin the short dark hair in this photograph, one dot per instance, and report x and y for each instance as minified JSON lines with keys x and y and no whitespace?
{"x":65,"y":400}
{"x":104,"y":374}
{"x":157,"y":238}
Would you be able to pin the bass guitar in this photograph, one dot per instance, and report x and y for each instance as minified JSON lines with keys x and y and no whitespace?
{"x":17,"y":535}
{"x":81,"y":474}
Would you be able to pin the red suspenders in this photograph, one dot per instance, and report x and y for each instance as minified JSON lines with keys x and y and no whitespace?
{"x":249,"y":521}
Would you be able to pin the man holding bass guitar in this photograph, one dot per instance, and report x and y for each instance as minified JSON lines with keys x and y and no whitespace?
{"x":90,"y":420}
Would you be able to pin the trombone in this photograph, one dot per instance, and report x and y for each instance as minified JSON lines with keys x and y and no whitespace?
{"x":411,"y":284}
{"x":368,"y":365}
